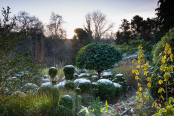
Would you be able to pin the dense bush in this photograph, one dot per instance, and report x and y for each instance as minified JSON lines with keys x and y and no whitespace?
{"x":69,"y":85}
{"x":52,"y":72}
{"x":98,"y":57}
{"x":119,"y":78}
{"x":106,"y":89}
{"x":126,"y":68}
{"x":168,"y":38}
{"x":67,"y":102}
{"x":157,"y":73}
{"x":78,"y":91}
{"x":84,"y":86}
{"x":44,"y":89}
{"x":118,"y":90}
{"x":69,"y":71}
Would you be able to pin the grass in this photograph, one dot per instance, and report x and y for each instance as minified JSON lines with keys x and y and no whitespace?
{"x":125,"y":68}
{"x":28,"y":104}
{"x":59,"y":75}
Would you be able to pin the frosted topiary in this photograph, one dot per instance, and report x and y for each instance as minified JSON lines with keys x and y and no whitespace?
{"x":67,"y":101}
{"x":81,"y":80}
{"x":98,"y":57}
{"x":106,"y":89}
{"x":44,"y":88}
{"x":107,"y":75}
{"x":69,"y":85}
{"x":52,"y":72}
{"x":69,"y":71}
{"x":94,"y":85}
{"x":118,"y":89}
{"x":85,"y":86}
{"x":78,"y":91}
{"x":119,"y":78}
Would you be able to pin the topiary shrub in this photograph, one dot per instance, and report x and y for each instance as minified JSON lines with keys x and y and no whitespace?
{"x":98,"y":57}
{"x":78,"y":91}
{"x":52,"y":72}
{"x":69,"y":85}
{"x":106,"y":89}
{"x":122,"y":81}
{"x":157,"y":73}
{"x":85,"y":86}
{"x":44,"y":89}
{"x":118,"y":90}
{"x":55,"y":92}
{"x":69,"y":71}
{"x":67,"y":102}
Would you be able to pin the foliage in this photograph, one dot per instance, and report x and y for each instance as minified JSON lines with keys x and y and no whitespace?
{"x":52,"y":72}
{"x":78,"y":91}
{"x":119,"y":78}
{"x":26,"y":105}
{"x":142,"y":67}
{"x":12,"y":60}
{"x":165,"y":83}
{"x":168,"y":110}
{"x":168,"y":38}
{"x":69,"y":85}
{"x":66,"y":102}
{"x":106,"y":89}
{"x":163,"y":62}
{"x":84,"y":86}
{"x":44,"y":89}
{"x":125,"y":68}
{"x":69,"y":71}
{"x":97,"y":56}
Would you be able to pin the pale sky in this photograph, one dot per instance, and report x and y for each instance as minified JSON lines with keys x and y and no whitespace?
{"x":74,"y":11}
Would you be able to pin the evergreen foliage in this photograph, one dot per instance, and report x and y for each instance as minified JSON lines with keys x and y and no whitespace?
{"x":97,"y":56}
{"x":52,"y":72}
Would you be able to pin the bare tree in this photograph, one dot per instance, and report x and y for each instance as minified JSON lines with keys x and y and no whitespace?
{"x":56,"y":31}
{"x":98,"y":23}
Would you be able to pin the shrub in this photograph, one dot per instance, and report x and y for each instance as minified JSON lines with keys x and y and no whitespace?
{"x":158,"y":73}
{"x":78,"y":91}
{"x":125,"y":68}
{"x":55,"y":92}
{"x":85,"y":86}
{"x":98,"y":57}
{"x":118,"y":90}
{"x":67,"y":102}
{"x":168,"y":38}
{"x":52,"y":72}
{"x":69,"y":71}
{"x":122,"y":81}
{"x":106,"y":89}
{"x":69,"y":85}
{"x":94,"y":85}
{"x":44,"y":89}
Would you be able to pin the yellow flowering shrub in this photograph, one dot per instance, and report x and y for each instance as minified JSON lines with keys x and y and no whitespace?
{"x":141,"y":69}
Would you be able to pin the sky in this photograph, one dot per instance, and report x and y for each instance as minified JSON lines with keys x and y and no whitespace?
{"x":74,"y":11}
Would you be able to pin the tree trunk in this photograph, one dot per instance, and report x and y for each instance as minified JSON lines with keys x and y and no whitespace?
{"x":99,"y":74}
